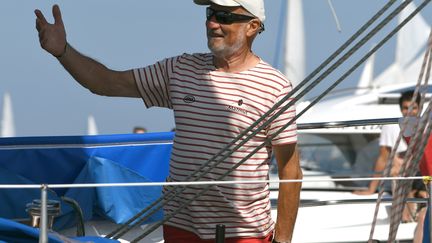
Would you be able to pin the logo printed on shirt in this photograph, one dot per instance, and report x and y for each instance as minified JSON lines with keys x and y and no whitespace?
{"x":189,"y":99}
{"x":235,"y":107}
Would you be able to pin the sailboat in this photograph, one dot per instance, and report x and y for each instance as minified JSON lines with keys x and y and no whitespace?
{"x":91,"y":126}
{"x":7,"y":122}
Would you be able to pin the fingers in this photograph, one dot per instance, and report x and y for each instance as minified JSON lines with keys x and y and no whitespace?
{"x":57,"y":15}
{"x":40,"y":16}
{"x":40,"y":19}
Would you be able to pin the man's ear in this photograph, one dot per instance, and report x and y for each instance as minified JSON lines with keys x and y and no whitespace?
{"x":254,"y":27}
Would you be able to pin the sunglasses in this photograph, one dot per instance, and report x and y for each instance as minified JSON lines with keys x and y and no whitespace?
{"x":224,"y":17}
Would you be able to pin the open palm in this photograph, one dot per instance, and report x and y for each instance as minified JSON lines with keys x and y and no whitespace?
{"x":52,"y":37}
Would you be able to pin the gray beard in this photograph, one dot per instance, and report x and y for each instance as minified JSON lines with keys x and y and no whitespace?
{"x":224,"y":51}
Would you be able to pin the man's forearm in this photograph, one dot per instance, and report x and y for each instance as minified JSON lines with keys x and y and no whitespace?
{"x":288,"y":203}
{"x":94,"y":75}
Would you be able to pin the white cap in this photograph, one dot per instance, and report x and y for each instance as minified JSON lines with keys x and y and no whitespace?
{"x":255,"y":7}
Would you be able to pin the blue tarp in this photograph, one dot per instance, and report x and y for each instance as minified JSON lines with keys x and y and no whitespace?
{"x":85,"y":159}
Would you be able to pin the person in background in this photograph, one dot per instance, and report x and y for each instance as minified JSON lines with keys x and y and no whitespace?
{"x":388,"y":137}
{"x":215,"y":96}
{"x":139,"y":130}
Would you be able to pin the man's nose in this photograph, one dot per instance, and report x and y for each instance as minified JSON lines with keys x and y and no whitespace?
{"x":212,"y":23}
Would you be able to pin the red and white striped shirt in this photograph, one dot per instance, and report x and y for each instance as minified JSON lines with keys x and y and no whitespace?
{"x":211,"y":108}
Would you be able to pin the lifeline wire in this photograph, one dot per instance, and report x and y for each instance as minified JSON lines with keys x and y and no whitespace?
{"x":203,"y":183}
{"x":341,"y":79}
{"x":307,"y":79}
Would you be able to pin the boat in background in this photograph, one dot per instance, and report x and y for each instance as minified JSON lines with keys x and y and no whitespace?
{"x":351,"y":151}
{"x":7,"y":122}
{"x":354,"y":149}
{"x":91,"y":126}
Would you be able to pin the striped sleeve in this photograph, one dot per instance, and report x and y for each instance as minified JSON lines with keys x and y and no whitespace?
{"x":289,"y":134}
{"x":153,"y":82}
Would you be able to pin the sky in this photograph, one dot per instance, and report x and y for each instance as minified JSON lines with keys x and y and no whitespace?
{"x":125,"y":34}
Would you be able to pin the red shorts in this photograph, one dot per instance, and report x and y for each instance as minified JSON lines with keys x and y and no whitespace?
{"x":176,"y":235}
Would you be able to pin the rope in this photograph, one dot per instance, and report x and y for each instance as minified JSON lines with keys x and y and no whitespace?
{"x":411,"y":161}
{"x":404,"y":187}
{"x":401,"y":188}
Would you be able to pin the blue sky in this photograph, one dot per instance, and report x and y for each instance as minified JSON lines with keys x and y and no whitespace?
{"x":132,"y":33}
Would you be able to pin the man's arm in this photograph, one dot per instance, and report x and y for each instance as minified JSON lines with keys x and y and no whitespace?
{"x":380,"y":164}
{"x":289,"y":193}
{"x":88,"y":72}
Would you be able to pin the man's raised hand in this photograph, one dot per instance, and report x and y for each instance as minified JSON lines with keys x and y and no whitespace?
{"x":52,"y":37}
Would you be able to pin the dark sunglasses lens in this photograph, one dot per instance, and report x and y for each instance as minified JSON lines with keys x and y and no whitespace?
{"x":209,"y":13}
{"x":223,"y":18}
{"x":220,"y":16}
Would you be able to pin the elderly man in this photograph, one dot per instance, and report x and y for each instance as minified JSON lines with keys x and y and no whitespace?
{"x":215,"y":96}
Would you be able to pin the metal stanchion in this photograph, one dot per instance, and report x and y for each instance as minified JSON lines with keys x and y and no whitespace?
{"x":43,"y":228}
{"x":220,"y":233}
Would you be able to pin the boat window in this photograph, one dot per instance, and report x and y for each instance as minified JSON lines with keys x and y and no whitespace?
{"x":323,"y":153}
{"x":339,"y":155}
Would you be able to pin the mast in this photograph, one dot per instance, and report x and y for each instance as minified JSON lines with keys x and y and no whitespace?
{"x":294,"y":60}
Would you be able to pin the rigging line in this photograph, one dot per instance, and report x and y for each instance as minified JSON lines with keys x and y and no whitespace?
{"x":415,"y":153}
{"x":402,"y":190}
{"x":335,"y":17}
{"x":307,"y":79}
{"x":360,"y":62}
{"x":393,"y":152}
{"x":411,"y":161}
{"x":428,"y":71}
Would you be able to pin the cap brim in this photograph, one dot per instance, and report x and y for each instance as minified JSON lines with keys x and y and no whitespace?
{"x":202,"y":2}
{"x":228,"y":3}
